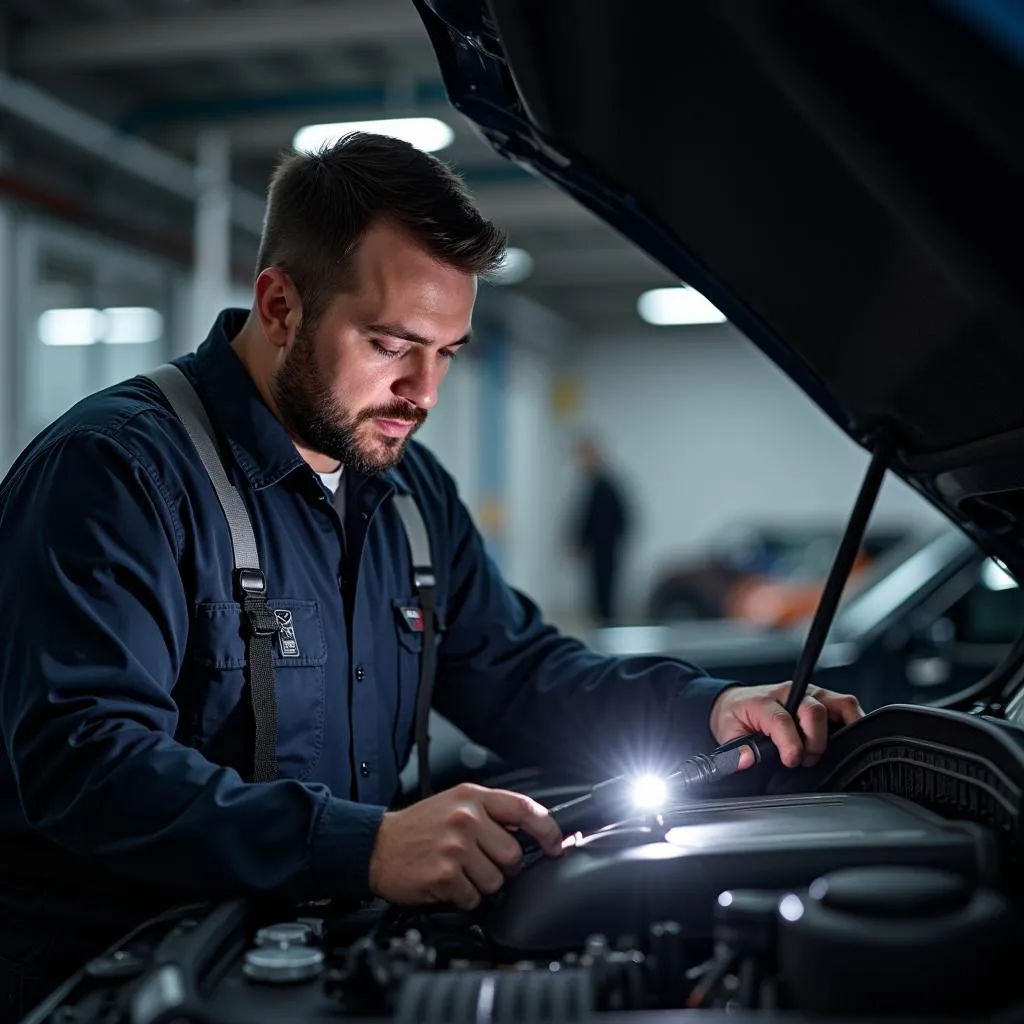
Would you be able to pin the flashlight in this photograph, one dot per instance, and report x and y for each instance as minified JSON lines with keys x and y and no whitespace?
{"x":648,"y":793}
{"x":623,"y":797}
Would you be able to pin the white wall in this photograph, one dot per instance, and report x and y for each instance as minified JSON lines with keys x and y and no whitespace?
{"x":450,"y":431}
{"x":705,"y":432}
{"x":535,"y":445}
{"x":538,"y":455}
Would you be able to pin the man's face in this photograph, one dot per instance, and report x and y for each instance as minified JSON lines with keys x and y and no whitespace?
{"x":361,"y":382}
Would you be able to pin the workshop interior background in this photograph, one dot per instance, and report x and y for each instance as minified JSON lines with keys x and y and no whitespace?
{"x":136,"y":139}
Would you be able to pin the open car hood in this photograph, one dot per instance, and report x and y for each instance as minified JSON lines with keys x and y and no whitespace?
{"x":845,"y":181}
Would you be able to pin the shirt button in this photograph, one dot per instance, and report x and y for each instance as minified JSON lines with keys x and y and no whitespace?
{"x":341,"y":582}
{"x":360,"y":673}
{"x":364,"y":770}
{"x":366,"y":515}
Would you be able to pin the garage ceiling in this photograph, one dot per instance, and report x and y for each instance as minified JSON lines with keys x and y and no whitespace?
{"x":260,"y":69}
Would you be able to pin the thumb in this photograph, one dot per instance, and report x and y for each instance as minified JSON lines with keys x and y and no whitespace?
{"x":747,"y":759}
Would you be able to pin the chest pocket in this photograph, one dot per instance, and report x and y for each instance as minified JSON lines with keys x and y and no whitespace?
{"x":408,"y":623}
{"x":220,"y":709}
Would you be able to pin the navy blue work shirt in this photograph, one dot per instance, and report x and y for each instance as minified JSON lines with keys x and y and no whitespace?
{"x":122,"y":705}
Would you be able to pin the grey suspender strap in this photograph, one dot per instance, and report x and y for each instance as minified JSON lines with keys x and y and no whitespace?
{"x":423,"y":580}
{"x":260,"y":624}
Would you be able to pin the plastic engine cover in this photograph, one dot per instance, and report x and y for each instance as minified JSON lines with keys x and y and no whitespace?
{"x":620,"y":881}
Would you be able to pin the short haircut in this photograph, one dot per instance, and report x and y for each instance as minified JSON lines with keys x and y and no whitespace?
{"x":320,"y":205}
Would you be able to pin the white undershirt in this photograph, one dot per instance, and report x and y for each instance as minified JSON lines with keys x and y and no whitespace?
{"x":332,"y":481}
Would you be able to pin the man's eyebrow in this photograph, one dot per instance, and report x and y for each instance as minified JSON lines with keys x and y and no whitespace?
{"x":398,"y":331}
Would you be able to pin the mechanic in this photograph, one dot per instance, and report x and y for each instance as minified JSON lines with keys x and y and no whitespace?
{"x":126,"y":780}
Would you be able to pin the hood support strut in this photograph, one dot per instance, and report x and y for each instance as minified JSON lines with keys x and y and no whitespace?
{"x":719,"y":764}
{"x":839,"y":574}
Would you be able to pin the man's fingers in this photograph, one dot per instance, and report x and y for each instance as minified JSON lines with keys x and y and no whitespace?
{"x":462,"y":892}
{"x":775,"y":722}
{"x":746,"y":759}
{"x":500,"y":847}
{"x":812,"y":717}
{"x":514,"y":809}
{"x":483,"y":872}
{"x":841,"y":707}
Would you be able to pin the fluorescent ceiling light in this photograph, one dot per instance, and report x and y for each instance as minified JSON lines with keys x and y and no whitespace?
{"x":118,"y":325}
{"x":426,"y":133}
{"x":132,"y":325}
{"x":670,"y":306}
{"x":70,"y":326}
{"x":515,"y":267}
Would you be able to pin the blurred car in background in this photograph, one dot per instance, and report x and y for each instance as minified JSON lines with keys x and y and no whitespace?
{"x":928,"y":619}
{"x":769,"y":575}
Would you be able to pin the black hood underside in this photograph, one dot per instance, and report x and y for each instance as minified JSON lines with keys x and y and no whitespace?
{"x":842,"y":179}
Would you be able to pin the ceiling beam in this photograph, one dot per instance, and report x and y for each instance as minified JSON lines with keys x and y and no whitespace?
{"x":133,"y":156}
{"x":213,"y":33}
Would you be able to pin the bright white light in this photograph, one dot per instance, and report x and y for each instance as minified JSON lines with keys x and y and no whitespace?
{"x":665,"y":307}
{"x":725,"y":899}
{"x":70,"y":326}
{"x":426,"y":133}
{"x":995,"y":576}
{"x":132,"y":325}
{"x":515,"y":267}
{"x":791,"y":907}
{"x":118,"y":325}
{"x":649,"y":792}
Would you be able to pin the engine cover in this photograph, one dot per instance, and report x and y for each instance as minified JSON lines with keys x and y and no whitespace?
{"x":619,"y":881}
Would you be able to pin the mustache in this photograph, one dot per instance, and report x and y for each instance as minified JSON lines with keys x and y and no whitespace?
{"x":401,"y":413}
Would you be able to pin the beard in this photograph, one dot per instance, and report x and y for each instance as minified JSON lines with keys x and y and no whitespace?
{"x":310,"y":410}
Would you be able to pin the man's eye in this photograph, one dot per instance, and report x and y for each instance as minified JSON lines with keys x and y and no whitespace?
{"x":449,"y":354}
{"x":386,"y":352}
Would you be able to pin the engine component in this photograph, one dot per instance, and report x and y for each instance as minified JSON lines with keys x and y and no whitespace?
{"x":514,"y":997}
{"x":279,"y":965}
{"x":678,"y":871}
{"x":121,"y":965}
{"x":668,"y":963}
{"x":896,"y":940}
{"x":293,"y":933}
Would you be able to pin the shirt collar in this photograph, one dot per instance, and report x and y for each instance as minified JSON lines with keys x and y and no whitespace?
{"x":258,"y":441}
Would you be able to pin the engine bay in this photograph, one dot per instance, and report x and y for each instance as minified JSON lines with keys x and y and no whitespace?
{"x":881,"y":883}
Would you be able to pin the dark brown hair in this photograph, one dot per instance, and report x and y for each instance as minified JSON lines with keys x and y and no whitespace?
{"x":320,"y":205}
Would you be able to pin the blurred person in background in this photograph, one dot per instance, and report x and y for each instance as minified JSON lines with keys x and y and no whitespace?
{"x":600,"y":531}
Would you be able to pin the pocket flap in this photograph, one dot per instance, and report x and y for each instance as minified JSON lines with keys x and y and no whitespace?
{"x":219,"y":641}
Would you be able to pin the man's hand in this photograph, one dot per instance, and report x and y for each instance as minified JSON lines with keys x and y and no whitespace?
{"x":456,"y":846}
{"x":743,"y":709}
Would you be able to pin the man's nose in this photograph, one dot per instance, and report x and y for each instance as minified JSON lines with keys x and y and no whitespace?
{"x":420,"y":382}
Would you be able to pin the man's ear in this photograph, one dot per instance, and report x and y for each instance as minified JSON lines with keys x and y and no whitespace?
{"x":278,"y":306}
